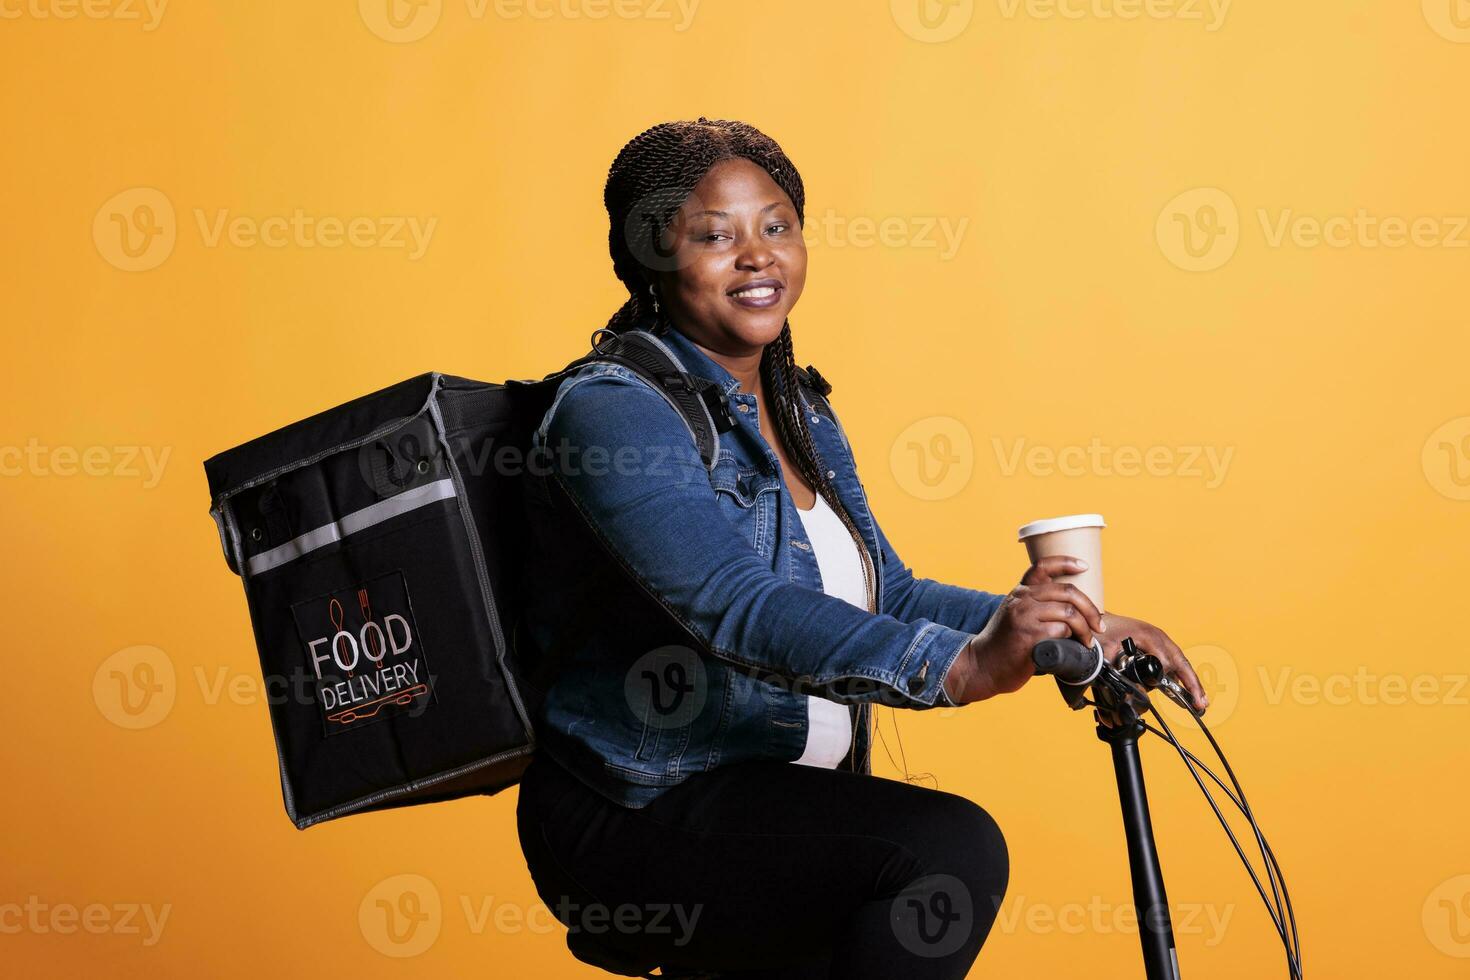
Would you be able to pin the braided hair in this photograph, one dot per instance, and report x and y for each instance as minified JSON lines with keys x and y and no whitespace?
{"x":651,"y":178}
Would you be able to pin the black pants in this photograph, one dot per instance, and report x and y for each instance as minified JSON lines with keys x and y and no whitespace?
{"x":767,"y":869}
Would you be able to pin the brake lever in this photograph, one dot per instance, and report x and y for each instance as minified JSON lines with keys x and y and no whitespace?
{"x":1175,"y":692}
{"x":1147,"y":671}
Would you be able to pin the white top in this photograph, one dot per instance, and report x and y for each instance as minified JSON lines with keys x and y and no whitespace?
{"x":829,"y":726}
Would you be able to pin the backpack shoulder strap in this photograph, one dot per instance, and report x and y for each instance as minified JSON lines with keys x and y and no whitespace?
{"x":699,"y":401}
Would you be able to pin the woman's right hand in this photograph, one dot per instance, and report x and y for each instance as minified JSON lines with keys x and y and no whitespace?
{"x":997,"y":660}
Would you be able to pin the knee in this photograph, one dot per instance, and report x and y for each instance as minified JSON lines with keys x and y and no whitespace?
{"x":972,"y":848}
{"x":948,"y":907}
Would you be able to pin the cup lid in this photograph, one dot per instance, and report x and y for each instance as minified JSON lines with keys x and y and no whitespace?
{"x":1060,"y":524}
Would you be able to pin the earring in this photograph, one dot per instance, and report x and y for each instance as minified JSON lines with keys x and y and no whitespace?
{"x":653,"y":291}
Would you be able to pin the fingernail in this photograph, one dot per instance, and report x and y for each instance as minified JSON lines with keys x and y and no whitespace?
{"x":1081,"y":564}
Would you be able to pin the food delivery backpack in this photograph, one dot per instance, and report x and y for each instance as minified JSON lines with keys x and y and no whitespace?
{"x":379,"y":546}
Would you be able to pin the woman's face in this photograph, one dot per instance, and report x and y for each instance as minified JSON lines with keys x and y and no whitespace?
{"x":738,"y":260}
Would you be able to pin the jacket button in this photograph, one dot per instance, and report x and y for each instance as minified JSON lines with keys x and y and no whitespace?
{"x":916,"y":683}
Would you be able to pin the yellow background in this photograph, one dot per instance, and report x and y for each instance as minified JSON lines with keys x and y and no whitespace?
{"x":1329,"y":551}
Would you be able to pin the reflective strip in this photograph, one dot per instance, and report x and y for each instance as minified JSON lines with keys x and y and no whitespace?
{"x":357,"y":520}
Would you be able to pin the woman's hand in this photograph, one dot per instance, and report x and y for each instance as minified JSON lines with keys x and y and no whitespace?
{"x":998,"y":659}
{"x":1151,"y":639}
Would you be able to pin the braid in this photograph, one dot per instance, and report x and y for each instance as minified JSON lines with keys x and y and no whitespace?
{"x":778,"y":372}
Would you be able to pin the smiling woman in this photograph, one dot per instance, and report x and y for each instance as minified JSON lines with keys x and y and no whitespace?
{"x":725,"y":616}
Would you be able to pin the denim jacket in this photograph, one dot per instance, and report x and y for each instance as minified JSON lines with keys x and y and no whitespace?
{"x":685,"y":602}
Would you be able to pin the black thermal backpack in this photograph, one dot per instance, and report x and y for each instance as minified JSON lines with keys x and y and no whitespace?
{"x":378,"y":544}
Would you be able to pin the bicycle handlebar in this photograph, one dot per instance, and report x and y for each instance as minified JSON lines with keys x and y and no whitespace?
{"x":1069,"y":661}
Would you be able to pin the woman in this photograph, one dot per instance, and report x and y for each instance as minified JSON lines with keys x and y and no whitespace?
{"x":721,"y":623}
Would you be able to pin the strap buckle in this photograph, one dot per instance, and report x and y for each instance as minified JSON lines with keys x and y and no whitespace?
{"x":719,"y":407}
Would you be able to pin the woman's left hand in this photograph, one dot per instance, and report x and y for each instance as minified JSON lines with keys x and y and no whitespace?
{"x":1150,"y":639}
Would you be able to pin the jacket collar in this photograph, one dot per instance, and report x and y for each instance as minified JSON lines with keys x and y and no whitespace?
{"x":698,"y":363}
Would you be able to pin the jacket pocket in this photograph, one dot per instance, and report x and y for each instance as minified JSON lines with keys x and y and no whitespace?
{"x":741,"y":484}
{"x":747,"y":497}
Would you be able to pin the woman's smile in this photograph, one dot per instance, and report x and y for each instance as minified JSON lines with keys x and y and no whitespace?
{"x":759,"y":294}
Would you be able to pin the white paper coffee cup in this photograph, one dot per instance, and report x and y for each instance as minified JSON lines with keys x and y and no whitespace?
{"x":1077,"y":535}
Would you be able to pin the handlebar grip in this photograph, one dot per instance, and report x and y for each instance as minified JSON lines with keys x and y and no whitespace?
{"x":1068,"y":660}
